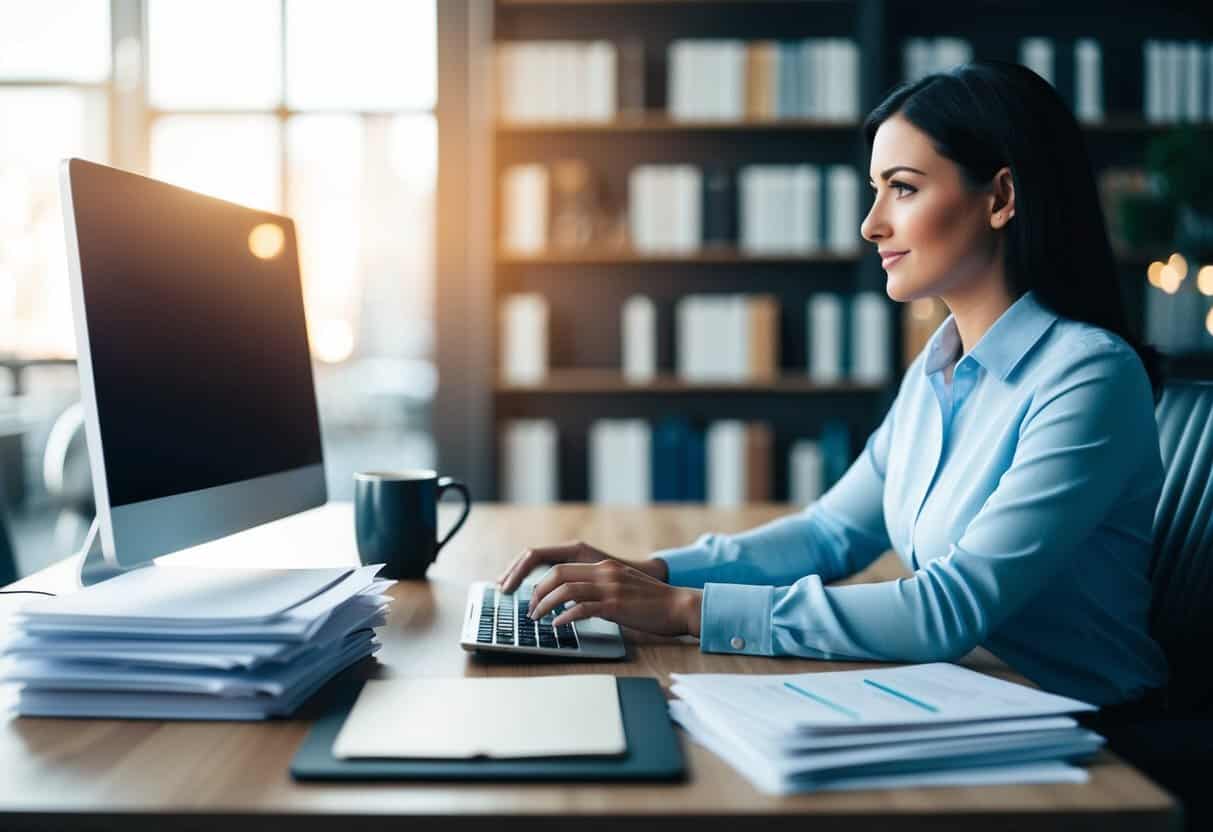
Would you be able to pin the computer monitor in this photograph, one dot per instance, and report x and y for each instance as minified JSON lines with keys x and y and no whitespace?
{"x":195,"y":373}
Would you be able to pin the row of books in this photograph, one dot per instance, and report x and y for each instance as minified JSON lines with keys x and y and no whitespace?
{"x":1177,"y":75}
{"x":557,"y":80}
{"x":921,"y":57}
{"x":719,"y":337}
{"x":730,"y":80}
{"x":708,"y":80}
{"x":727,"y":462}
{"x":1086,"y":99}
{"x":783,"y":208}
{"x":1178,"y":81}
{"x":818,"y":78}
{"x":682,"y":209}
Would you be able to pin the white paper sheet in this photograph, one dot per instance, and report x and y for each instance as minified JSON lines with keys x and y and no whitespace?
{"x":713,"y":713}
{"x":767,"y":778}
{"x":459,"y":718}
{"x":861,"y":700}
{"x":180,"y":594}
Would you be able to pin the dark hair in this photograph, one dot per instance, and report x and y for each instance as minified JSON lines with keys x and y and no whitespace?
{"x":984,"y":115}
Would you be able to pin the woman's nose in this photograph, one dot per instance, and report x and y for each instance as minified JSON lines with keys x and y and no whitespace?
{"x":873,"y":227}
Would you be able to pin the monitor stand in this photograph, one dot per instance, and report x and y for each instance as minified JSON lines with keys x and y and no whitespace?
{"x":95,"y":567}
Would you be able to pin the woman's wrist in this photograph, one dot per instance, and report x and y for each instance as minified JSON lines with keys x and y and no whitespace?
{"x":655,"y":568}
{"x":692,"y":609}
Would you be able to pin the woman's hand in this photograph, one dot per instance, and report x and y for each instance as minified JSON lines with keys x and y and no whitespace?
{"x":576,"y":552}
{"x":619,"y":592}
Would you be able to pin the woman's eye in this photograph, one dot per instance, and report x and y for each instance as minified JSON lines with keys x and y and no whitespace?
{"x":902,"y":187}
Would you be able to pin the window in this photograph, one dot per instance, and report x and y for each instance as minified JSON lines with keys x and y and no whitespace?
{"x":320,"y":109}
{"x":54,"y":102}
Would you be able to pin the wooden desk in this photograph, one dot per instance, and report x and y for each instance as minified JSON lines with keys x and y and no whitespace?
{"x":101,"y":774}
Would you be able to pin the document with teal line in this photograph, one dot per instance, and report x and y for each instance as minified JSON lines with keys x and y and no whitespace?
{"x":887,"y":697}
{"x":930,"y":724}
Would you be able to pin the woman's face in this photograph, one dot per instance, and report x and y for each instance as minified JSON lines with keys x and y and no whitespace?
{"x":947,"y":231}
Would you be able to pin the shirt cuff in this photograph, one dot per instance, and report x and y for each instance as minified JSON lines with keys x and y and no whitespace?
{"x":736,"y":618}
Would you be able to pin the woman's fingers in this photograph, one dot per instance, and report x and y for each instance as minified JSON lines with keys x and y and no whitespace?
{"x":526,"y":563}
{"x":578,"y":612}
{"x":575,"y":591}
{"x":558,"y":575}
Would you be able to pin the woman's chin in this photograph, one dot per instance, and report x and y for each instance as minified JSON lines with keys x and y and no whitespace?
{"x":900,"y":290}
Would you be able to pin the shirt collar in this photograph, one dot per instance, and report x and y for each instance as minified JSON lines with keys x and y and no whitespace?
{"x":1004,"y":344}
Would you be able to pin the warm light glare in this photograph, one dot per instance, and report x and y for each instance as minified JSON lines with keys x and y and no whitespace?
{"x":1209,"y":322}
{"x":266,"y":240}
{"x":1177,"y":262}
{"x":334,"y":341}
{"x":1154,"y":273}
{"x":922,"y":309}
{"x":1204,"y":280}
{"x":1169,"y":280}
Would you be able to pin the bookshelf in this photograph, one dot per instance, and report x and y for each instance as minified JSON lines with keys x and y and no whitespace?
{"x":587,"y":286}
{"x":612,"y":383}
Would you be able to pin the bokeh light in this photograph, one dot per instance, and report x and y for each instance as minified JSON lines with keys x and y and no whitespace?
{"x":266,"y":240}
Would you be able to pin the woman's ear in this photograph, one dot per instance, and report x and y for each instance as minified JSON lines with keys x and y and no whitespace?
{"x":1002,"y":207}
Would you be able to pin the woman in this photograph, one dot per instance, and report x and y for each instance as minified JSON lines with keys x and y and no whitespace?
{"x":1016,"y":472}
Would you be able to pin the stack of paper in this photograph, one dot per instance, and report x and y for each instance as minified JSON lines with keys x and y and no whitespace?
{"x":932,"y":724}
{"x":168,"y":642}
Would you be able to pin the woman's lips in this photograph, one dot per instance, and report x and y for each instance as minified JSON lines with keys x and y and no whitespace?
{"x":890,"y":259}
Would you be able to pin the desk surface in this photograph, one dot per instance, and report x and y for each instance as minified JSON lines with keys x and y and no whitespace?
{"x":67,"y":774}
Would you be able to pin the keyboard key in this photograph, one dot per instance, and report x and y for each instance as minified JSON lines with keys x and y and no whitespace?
{"x":565,"y":634}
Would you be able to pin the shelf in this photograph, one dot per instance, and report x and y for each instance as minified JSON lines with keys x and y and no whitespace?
{"x":661,"y":123}
{"x":644,"y":2}
{"x":609,"y":257}
{"x":1137,"y":124}
{"x":610,"y":382}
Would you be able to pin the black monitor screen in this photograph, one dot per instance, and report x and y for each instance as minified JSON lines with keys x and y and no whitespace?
{"x":197,"y":336}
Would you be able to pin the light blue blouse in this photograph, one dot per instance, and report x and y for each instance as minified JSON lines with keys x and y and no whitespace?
{"x":1021,"y":496}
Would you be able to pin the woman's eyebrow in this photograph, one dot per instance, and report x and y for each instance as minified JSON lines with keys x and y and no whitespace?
{"x":890,"y":171}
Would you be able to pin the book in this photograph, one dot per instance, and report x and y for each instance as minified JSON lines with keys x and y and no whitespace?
{"x":871,"y":338}
{"x":843,"y":219}
{"x":762,"y":341}
{"x":719,"y":212}
{"x":1037,"y":55}
{"x":664,"y":208}
{"x":1088,"y":80}
{"x":529,"y":472}
{"x":806,"y":472}
{"x":620,"y":459}
{"x":726,"y":444}
{"x":556,"y":81}
{"x":758,"y":473}
{"x":639,"y":339}
{"x":525,"y":192}
{"x":630,"y":80}
{"x":524,"y":338}
{"x":824,"y":321}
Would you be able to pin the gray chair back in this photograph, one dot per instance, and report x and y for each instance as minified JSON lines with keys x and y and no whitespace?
{"x":8,"y":557}
{"x":1182,"y":571}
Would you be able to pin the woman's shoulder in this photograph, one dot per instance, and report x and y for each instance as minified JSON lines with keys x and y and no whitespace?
{"x":1077,"y":356}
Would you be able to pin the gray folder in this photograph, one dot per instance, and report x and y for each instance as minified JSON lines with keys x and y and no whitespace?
{"x":653,"y":750}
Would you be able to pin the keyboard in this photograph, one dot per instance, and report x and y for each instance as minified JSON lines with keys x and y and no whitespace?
{"x":498,"y":622}
{"x":504,"y":621}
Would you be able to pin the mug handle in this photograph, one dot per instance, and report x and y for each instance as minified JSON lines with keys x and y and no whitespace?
{"x":443,"y":484}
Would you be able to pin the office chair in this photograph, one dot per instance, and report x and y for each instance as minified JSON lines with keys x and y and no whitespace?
{"x":8,"y":555}
{"x":1174,"y":744}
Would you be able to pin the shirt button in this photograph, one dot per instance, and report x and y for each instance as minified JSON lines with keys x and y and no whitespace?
{"x":737,"y":642}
